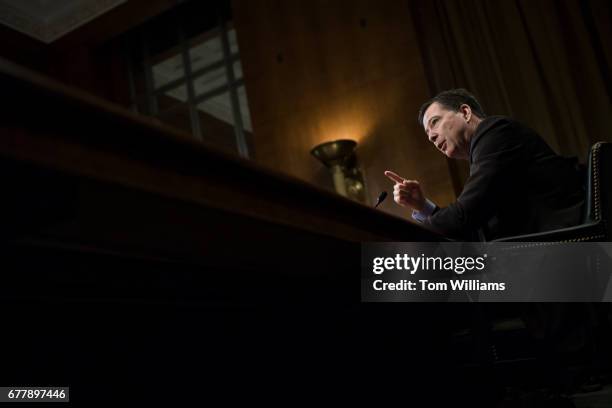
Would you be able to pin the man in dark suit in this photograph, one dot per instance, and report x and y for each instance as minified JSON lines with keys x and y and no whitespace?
{"x":517,"y":184}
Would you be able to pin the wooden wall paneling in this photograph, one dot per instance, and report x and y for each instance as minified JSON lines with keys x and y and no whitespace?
{"x":326,"y":70}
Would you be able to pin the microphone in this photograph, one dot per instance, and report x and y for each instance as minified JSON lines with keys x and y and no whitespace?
{"x":381,"y":198}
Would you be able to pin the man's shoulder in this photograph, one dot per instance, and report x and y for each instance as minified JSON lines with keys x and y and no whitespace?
{"x":491,"y":121}
{"x":495,"y":132}
{"x":498,"y":124}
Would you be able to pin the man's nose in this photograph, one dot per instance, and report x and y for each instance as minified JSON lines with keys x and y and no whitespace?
{"x":432,"y":136}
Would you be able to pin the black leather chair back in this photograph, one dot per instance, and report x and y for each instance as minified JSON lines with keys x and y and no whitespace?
{"x":599,"y":186}
{"x":597,"y":222}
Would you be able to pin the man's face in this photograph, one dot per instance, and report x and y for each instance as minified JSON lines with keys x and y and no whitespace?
{"x":447,"y":131}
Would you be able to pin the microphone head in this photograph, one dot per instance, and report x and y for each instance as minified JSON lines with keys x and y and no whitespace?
{"x":381,"y":198}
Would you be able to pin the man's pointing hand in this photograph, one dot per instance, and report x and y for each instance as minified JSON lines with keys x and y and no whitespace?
{"x":406,"y":192}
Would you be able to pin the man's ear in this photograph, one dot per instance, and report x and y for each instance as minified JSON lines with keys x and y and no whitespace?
{"x":466,"y":111}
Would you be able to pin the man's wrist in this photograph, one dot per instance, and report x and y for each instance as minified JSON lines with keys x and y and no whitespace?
{"x":428,"y":209}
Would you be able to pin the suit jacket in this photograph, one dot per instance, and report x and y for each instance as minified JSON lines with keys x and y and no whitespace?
{"x":517,"y":185}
